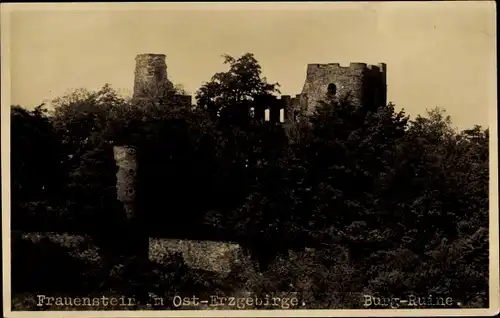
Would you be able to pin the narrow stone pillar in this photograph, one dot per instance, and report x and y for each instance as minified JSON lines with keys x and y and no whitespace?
{"x":127,"y":193}
{"x":135,"y":236}
{"x":126,"y":160}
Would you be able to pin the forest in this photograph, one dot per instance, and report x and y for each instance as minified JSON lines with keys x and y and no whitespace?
{"x":391,"y":205}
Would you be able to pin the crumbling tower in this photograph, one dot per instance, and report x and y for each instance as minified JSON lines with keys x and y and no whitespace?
{"x":363,"y":84}
{"x":151,"y":80}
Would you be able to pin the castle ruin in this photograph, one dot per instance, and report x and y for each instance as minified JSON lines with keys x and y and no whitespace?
{"x":361,"y":83}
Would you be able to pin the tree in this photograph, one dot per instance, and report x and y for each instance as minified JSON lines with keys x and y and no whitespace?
{"x":348,"y":152}
{"x":80,"y":118}
{"x":230,"y":95}
{"x":228,"y":98}
{"x":35,"y":160}
{"x":436,"y":192}
{"x":394,"y":192}
{"x":174,"y":140}
{"x":322,"y":188}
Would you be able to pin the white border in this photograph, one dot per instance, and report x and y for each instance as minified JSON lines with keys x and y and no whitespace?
{"x":5,"y":150}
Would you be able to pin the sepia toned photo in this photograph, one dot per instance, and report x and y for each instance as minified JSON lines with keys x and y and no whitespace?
{"x":273,"y":159}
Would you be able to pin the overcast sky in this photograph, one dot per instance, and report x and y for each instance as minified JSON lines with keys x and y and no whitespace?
{"x":437,"y":54}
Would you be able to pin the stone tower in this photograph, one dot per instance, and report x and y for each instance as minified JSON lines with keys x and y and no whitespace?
{"x":151,"y":80}
{"x":364,"y":84}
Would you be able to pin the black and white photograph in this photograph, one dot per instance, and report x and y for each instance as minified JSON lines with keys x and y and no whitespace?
{"x":249,"y":159}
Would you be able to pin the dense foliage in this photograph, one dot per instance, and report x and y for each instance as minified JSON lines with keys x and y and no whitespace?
{"x":391,"y":205}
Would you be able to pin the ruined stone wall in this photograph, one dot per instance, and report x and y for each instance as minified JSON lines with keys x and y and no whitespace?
{"x":359,"y":81}
{"x":151,"y":77}
{"x":291,"y":105}
{"x":211,"y":256}
{"x":281,"y":110}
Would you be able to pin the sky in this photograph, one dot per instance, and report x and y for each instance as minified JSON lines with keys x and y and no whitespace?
{"x":438,"y":54}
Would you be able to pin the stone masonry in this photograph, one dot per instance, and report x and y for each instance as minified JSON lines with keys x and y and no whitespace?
{"x":361,"y":83}
{"x":151,"y":78}
{"x":364,"y":84}
{"x":125,"y":159}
